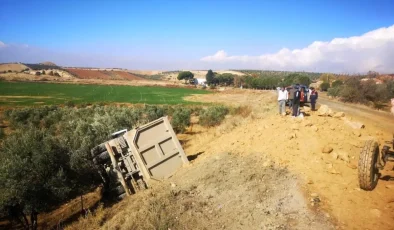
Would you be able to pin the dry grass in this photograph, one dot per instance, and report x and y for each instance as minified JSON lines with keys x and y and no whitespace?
{"x":160,"y":209}
{"x":92,"y":220}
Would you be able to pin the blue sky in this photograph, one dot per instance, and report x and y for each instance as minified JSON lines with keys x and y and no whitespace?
{"x":178,"y":34}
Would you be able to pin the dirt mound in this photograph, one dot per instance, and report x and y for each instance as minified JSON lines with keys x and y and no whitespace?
{"x":222,"y":191}
{"x":297,"y":144}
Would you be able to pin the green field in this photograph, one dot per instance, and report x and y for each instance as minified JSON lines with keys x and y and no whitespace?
{"x":22,"y":93}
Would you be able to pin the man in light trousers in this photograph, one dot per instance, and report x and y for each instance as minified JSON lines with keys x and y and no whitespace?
{"x":283,"y":96}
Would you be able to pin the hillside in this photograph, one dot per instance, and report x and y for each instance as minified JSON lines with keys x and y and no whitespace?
{"x":48,"y":63}
{"x":14,"y":67}
{"x":103,"y":74}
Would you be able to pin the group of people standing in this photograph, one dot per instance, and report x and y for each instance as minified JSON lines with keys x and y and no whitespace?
{"x":294,"y":97}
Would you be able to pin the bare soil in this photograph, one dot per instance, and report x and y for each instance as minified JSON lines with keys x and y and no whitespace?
{"x":259,"y":170}
{"x":297,"y":144}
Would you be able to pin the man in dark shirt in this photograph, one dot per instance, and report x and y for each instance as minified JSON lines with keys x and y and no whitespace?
{"x":296,"y":101}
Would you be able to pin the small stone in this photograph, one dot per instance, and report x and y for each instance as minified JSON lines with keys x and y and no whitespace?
{"x":332,"y":127}
{"x":173,"y":185}
{"x":356,"y":133}
{"x":327,"y":149}
{"x":324,"y":110}
{"x":343,"y":156}
{"x":314,"y":195}
{"x":339,"y":114}
{"x":266,"y":164}
{"x":329,"y":165}
{"x":327,"y":215}
{"x":334,"y":155}
{"x":306,"y":109}
{"x":315,"y":128}
{"x":353,"y":124}
{"x":352,"y":166}
{"x":376,"y":212}
{"x":310,"y":182}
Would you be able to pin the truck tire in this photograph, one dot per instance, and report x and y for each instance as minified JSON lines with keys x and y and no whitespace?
{"x":118,"y":190}
{"x":98,"y":149}
{"x":102,"y":158}
{"x":368,"y":173}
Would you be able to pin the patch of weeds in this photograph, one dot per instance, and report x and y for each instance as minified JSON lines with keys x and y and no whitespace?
{"x":213,"y":116}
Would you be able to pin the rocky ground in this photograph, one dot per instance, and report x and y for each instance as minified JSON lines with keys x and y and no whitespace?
{"x":260,"y":170}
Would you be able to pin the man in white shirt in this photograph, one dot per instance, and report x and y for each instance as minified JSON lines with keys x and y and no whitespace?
{"x":283,"y":95}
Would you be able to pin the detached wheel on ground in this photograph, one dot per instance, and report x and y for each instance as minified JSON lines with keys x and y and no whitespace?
{"x":368,"y":172}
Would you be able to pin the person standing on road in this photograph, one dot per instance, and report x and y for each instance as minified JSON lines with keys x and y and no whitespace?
{"x":313,"y":98}
{"x":282,"y":98}
{"x":296,"y":102}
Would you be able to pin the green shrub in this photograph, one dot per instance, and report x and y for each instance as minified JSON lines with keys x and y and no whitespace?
{"x":337,"y":83}
{"x":213,"y":115}
{"x":324,"y":86}
{"x":335,"y":91}
{"x":153,"y":112}
{"x":180,"y":119}
{"x":69,"y":104}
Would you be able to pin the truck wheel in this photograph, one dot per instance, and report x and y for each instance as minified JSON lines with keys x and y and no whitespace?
{"x":368,"y":173}
{"x":98,"y":149}
{"x":102,"y":158}
{"x":119,"y":190}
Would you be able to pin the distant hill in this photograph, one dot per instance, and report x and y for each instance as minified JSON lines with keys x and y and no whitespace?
{"x":13,"y":67}
{"x":42,"y":66}
{"x":48,"y":63}
{"x":102,"y":74}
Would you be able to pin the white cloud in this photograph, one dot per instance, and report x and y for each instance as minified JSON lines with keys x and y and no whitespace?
{"x":2,"y":44}
{"x":371,"y":51}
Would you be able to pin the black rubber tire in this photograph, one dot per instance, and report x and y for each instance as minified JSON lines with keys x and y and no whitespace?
{"x":118,"y":190}
{"x":98,"y":149}
{"x":121,"y":197}
{"x":102,"y":158}
{"x":368,"y":173}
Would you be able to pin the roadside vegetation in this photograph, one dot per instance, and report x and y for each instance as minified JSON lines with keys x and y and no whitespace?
{"x":366,"y":91}
{"x":45,"y":159}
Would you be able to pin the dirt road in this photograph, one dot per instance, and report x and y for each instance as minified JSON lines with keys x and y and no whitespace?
{"x":380,"y":119}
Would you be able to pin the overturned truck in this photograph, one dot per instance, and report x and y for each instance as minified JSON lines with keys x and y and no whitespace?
{"x":132,"y":158}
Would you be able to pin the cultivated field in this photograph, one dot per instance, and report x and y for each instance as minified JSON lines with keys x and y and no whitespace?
{"x":21,"y":93}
